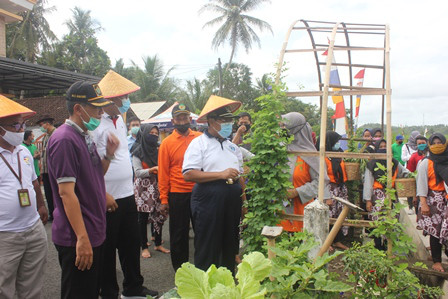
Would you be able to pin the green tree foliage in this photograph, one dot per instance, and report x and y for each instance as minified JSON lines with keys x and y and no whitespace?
{"x":236,"y":27}
{"x":406,"y":131}
{"x":196,"y":94}
{"x":268,"y":179}
{"x":26,"y":39}
{"x":155,"y":83}
{"x":78,"y":50}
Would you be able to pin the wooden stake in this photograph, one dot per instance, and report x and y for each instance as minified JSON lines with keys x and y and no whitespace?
{"x":323,"y":116}
{"x":389,"y":126}
{"x":334,"y":231}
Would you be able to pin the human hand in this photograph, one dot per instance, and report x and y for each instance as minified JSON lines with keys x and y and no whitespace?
{"x":154,"y":169}
{"x":329,"y":202}
{"x":369,"y":205}
{"x":43,"y":213}
{"x":292,"y":193}
{"x":164,"y":209}
{"x":111,"y":204}
{"x":425,"y":209}
{"x":112,"y":144}
{"x":415,"y":201}
{"x":230,"y":173}
{"x":241,"y":130}
{"x":84,"y":254}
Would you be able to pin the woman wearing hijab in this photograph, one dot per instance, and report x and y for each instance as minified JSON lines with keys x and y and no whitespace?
{"x":338,"y":177}
{"x":373,"y":191}
{"x":367,"y":134}
{"x":144,"y":160}
{"x":304,"y":170}
{"x":432,"y":177}
{"x":410,"y":147}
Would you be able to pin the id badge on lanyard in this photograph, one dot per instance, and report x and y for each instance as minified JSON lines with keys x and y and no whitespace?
{"x":23,"y":194}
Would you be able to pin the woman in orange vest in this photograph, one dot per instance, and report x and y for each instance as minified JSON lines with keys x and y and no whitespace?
{"x":304,"y":170}
{"x":338,"y":177}
{"x":145,"y":163}
{"x":373,"y":191}
{"x":432,"y":177}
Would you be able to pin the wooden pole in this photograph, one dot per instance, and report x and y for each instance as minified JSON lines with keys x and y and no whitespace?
{"x":282,"y":53}
{"x":323,"y":119}
{"x":220,"y":76}
{"x":389,"y":126}
{"x":334,"y":231}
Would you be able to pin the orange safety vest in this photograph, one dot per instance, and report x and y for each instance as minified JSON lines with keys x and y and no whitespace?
{"x":432,"y":179}
{"x":330,"y":171}
{"x":300,"y":177}
{"x":378,"y":185}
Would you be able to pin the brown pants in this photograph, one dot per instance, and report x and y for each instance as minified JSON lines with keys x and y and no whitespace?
{"x":22,"y":262}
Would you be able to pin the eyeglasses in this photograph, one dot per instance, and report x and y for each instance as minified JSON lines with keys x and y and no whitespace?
{"x":17,"y":126}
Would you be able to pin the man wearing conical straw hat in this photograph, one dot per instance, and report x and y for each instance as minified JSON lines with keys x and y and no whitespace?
{"x":122,"y":231}
{"x":215,"y":164}
{"x":23,"y":240}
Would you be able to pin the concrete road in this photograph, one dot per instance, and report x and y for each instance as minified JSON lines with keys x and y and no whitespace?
{"x":157,"y":270}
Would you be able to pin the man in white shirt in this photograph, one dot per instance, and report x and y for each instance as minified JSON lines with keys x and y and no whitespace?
{"x":122,"y":230}
{"x":23,"y":240}
{"x":215,"y":164}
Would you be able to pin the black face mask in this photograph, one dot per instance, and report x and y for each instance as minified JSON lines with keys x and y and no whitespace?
{"x":152,"y":140}
{"x":182,"y":128}
{"x":247,"y":127}
{"x":382,"y":151}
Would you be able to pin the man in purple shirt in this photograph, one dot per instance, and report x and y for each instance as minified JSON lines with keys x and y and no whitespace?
{"x":77,"y":172}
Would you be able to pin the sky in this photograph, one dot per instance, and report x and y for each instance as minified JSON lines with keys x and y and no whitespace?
{"x":173,"y":29}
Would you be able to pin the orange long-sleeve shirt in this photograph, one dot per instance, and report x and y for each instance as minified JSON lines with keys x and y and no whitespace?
{"x":171,"y":158}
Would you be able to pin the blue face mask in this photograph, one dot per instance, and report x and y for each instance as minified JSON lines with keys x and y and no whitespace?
{"x":422,"y":147}
{"x":226,"y":130}
{"x":126,"y":103}
{"x":336,"y":147}
{"x":43,"y":130}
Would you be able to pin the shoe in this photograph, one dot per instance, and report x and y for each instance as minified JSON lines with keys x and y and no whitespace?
{"x":143,"y":294}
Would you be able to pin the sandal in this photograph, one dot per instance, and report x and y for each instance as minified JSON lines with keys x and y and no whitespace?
{"x":146,"y":254}
{"x":162,"y":249}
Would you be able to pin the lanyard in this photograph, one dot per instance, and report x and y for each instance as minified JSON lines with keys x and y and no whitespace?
{"x":19,"y":176}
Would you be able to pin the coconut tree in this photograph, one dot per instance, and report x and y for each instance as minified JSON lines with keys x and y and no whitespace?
{"x":154,"y":81}
{"x":236,"y":27}
{"x":26,"y":39}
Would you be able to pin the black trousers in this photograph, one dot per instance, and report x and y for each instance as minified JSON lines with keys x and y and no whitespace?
{"x":436,"y":249}
{"x":216,"y":210}
{"x":48,"y":194}
{"x":143,"y":222}
{"x":122,"y":233}
{"x":180,"y":215}
{"x":77,"y":284}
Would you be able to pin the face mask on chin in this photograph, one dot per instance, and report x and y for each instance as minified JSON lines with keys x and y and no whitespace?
{"x":93,"y":122}
{"x":13,"y":138}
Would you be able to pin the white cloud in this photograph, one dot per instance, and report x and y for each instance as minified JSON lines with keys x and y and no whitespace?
{"x":173,"y":30}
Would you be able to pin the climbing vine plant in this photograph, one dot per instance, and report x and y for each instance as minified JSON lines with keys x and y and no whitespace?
{"x":268,"y":178}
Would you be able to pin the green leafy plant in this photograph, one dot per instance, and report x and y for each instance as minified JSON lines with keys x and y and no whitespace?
{"x":297,"y":276}
{"x":219,"y":283}
{"x":268,"y":179}
{"x":376,"y":276}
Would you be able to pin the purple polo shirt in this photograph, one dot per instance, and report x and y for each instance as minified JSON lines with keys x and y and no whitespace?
{"x":72,"y":157}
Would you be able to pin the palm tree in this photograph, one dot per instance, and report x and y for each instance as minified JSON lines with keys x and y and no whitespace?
{"x":235,"y":23}
{"x":82,"y":24}
{"x":29,"y":37}
{"x":196,"y":94}
{"x":155,"y":84}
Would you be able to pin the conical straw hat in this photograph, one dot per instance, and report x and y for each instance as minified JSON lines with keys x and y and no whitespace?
{"x":10,"y":108}
{"x":214,"y":103}
{"x":114,"y":85}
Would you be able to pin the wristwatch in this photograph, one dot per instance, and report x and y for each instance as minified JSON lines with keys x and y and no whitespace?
{"x":109,"y":158}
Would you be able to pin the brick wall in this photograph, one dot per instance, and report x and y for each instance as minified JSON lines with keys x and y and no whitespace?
{"x":52,"y":106}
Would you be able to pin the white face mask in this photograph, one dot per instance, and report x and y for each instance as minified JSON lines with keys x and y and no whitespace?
{"x":13,"y":138}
